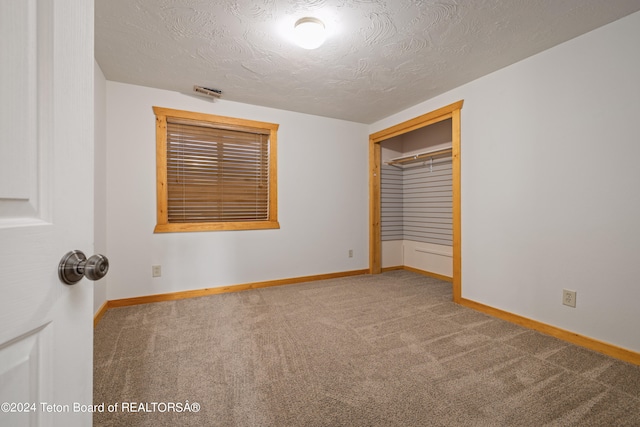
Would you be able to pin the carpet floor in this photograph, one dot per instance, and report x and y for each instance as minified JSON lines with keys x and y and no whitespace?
{"x":382,"y":350}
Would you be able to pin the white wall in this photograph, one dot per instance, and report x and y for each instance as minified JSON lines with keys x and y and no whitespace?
{"x":322,"y":201}
{"x":550,"y":175}
{"x":429,"y":138}
{"x":427,"y":257}
{"x":100,"y":181}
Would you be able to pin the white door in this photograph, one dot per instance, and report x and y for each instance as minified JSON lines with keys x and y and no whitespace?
{"x":46,"y":210}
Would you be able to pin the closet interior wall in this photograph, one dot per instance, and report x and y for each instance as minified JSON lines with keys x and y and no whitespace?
{"x":416,"y":202}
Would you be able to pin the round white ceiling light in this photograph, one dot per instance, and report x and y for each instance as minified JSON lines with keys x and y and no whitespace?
{"x":309,"y":32}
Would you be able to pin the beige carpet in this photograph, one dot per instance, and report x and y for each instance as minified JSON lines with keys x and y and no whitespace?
{"x":384,"y":350}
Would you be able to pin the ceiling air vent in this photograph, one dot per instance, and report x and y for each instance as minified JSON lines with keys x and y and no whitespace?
{"x":214,"y":93}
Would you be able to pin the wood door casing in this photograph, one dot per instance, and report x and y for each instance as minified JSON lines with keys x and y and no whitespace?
{"x":452,"y":112}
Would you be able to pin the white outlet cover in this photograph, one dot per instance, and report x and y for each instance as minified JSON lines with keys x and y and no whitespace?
{"x":569,"y":298}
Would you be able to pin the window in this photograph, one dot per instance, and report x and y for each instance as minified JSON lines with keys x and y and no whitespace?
{"x":214,"y":172}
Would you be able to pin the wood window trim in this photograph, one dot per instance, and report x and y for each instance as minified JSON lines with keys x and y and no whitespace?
{"x":163,"y":225}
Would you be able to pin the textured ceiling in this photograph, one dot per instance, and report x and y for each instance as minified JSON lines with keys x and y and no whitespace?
{"x":381,"y":56}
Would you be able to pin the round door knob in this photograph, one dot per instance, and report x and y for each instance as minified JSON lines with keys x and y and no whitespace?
{"x":75,"y":265}
{"x":96,"y":267}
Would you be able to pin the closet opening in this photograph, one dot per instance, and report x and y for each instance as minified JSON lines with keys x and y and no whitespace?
{"x":415,"y":197}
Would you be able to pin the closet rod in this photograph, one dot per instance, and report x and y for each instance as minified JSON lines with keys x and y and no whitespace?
{"x":418,"y":157}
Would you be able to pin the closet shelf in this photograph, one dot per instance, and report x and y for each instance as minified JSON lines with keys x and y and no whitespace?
{"x":419,"y":157}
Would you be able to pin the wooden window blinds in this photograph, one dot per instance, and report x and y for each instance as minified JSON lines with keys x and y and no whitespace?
{"x":215,"y":173}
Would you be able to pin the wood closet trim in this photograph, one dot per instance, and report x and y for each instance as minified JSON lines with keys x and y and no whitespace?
{"x":451,"y":111}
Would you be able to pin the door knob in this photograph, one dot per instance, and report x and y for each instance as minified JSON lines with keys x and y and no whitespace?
{"x":75,"y":265}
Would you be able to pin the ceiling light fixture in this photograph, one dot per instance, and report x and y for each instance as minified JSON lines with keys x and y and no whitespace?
{"x":309,"y":32}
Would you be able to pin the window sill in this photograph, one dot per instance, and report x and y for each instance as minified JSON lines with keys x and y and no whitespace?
{"x":215,"y":226}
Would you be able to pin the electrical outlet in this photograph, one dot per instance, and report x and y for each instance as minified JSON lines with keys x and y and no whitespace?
{"x":569,"y":298}
{"x":350,"y":253}
{"x":156,"y":271}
